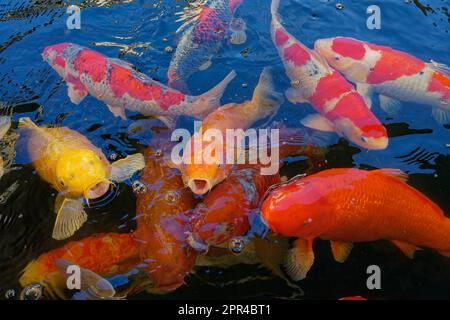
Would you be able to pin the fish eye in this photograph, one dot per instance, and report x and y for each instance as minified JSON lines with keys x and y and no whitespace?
{"x":337,"y":57}
{"x":363,"y":139}
{"x":61,"y":183}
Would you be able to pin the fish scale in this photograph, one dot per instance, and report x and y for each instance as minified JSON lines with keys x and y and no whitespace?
{"x":409,"y":88}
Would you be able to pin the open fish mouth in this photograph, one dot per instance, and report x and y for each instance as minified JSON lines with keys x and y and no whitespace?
{"x":199,"y":186}
{"x":97,"y":189}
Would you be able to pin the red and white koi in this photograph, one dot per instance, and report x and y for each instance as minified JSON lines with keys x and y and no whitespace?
{"x":395,"y":75}
{"x":114,"y":82}
{"x":341,"y":108}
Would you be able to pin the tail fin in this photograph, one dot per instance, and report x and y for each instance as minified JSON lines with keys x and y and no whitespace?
{"x":209,"y":101}
{"x":26,"y":122}
{"x":265,"y":98}
{"x":276,"y":19}
{"x":180,"y":85}
{"x":274,"y":7}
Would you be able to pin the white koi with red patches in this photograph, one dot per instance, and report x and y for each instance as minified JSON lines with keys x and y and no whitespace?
{"x":116,"y":83}
{"x":394,"y":75}
{"x":340,"y":107}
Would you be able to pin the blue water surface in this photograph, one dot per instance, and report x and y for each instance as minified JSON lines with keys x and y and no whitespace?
{"x":143,"y":33}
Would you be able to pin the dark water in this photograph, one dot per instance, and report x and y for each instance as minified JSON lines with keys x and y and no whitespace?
{"x":140,"y":32}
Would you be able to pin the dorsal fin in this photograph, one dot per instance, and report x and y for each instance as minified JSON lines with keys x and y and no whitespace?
{"x":397,"y":173}
{"x":440,"y":67}
{"x":122,"y":63}
{"x":190,"y":14}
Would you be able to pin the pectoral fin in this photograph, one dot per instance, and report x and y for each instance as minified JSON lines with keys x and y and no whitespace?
{"x":125,"y":168}
{"x":118,"y":112}
{"x":365,"y":90}
{"x":238,"y":34}
{"x":441,"y":115}
{"x":94,"y":285}
{"x":75,"y":95}
{"x":300,"y":259}
{"x":407,"y":249}
{"x":391,"y":106}
{"x":206,"y":65}
{"x":295,"y":96}
{"x":341,"y":250}
{"x":317,"y":122}
{"x":70,"y":216}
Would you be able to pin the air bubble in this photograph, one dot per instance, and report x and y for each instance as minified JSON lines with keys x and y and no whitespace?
{"x":171,"y":196}
{"x":139,"y":187}
{"x":159,"y":153}
{"x":168,"y":49}
{"x":32,"y":292}
{"x":339,"y":6}
{"x":237,"y":245}
{"x":10,"y":294}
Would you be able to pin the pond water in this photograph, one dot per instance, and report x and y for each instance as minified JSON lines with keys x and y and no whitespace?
{"x":143,"y":33}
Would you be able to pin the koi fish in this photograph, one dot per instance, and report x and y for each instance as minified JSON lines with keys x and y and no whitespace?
{"x":395,"y":75}
{"x":75,"y":168}
{"x":114,"y":82}
{"x":340,"y":107}
{"x":200,"y":175}
{"x":206,"y":27}
{"x":352,"y":205}
{"x":161,"y":224}
{"x":228,"y":209}
{"x":97,"y":257}
{"x":5,"y":124}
